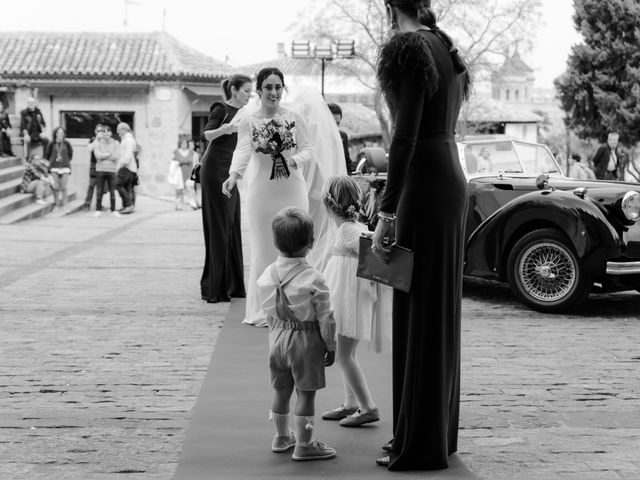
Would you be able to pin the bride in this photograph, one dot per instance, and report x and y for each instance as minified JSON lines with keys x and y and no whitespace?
{"x":283,"y":170}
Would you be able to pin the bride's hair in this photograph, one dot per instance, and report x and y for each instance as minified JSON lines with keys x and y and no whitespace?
{"x":342,"y":196}
{"x":265,"y":72}
{"x":236,"y":81}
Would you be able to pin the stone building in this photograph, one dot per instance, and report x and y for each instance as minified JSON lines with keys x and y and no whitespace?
{"x":160,"y":86}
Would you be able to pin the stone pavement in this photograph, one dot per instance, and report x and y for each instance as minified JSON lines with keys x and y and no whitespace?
{"x":104,"y":343}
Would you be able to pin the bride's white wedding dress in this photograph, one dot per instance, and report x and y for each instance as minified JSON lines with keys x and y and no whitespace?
{"x":265,"y":197}
{"x":319,"y":155}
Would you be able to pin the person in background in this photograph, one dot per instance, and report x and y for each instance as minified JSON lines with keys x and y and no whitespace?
{"x":36,"y":179}
{"x":127,"y":167}
{"x":106,"y":154}
{"x":470,"y":159}
{"x":59,"y":154}
{"x":184,"y":161}
{"x":136,"y":178}
{"x":605,"y":161}
{"x":336,"y":110}
{"x":196,"y":159}
{"x":5,"y":126}
{"x":92,"y":166}
{"x":579,"y":170}
{"x":32,"y":130}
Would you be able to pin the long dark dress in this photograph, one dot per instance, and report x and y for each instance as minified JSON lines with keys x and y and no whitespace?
{"x":427,"y":190}
{"x":223,"y":273}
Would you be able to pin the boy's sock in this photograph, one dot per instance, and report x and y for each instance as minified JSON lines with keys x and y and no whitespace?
{"x":304,"y":430}
{"x":306,"y":448}
{"x":284,"y":439}
{"x":281,"y":422}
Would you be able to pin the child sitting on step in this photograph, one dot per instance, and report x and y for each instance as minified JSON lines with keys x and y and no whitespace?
{"x":295,"y":299}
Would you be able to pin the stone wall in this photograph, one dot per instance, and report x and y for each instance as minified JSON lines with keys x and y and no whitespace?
{"x":162,"y":112}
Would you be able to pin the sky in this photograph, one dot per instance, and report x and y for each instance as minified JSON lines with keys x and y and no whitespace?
{"x":243,"y":31}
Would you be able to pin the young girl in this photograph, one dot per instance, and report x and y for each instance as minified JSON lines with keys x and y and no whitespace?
{"x":358,"y":304}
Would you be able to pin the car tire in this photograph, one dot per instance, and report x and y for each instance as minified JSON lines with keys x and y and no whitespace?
{"x":545,"y":273}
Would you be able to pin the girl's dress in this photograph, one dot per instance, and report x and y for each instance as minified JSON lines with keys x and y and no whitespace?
{"x":266,"y":197}
{"x":362,"y":308}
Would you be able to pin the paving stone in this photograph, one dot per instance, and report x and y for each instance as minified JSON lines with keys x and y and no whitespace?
{"x":105,"y":342}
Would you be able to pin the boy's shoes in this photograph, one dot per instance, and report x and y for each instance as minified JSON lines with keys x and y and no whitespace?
{"x":41,"y":202}
{"x":361,"y":418}
{"x":98,"y":213}
{"x":314,"y":450}
{"x":339,"y":413}
{"x":116,"y":214}
{"x":282,"y":444}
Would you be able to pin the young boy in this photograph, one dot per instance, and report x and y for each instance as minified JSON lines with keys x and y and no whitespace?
{"x":295,"y":298}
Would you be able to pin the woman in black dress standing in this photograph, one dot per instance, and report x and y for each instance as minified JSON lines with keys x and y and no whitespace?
{"x":223,"y":273}
{"x":424,"y":81}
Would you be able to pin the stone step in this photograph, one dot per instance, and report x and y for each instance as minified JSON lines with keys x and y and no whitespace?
{"x":35,"y":210}
{"x":10,"y":187}
{"x":6,"y":162}
{"x":10,"y":173}
{"x":31,"y":210}
{"x":14,"y":202}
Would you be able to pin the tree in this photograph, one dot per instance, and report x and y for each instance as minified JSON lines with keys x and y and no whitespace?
{"x":600,"y":91}
{"x":483,"y":30}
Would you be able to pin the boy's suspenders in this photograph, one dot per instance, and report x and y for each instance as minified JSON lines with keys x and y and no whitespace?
{"x":283,"y":310}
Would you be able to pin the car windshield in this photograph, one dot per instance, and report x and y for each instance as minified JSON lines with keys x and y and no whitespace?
{"x":507,"y":157}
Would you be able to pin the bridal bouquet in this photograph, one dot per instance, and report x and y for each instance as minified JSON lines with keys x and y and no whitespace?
{"x":272,"y":138}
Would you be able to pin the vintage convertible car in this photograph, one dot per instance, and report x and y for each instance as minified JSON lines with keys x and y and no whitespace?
{"x":553,"y":239}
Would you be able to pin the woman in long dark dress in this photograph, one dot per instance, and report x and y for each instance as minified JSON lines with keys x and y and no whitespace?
{"x":223,"y":273}
{"x":424,"y":81}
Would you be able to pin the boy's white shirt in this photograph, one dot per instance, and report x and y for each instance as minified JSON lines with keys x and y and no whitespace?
{"x":308,"y":296}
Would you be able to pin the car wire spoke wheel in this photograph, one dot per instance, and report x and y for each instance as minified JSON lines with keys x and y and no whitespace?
{"x":547,"y":271}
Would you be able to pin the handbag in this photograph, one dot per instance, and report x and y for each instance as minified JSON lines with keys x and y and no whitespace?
{"x":396,"y":272}
{"x":195,"y":172}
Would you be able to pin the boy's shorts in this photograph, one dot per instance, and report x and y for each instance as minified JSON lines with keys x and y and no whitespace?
{"x":296,"y":357}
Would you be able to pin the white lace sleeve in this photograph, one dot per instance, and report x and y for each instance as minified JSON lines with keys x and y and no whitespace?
{"x":305,"y":151}
{"x":244,"y":149}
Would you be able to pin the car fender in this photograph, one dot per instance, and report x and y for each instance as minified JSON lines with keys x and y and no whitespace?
{"x":583,"y":222}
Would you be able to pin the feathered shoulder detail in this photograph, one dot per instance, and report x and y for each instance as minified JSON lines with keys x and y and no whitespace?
{"x":406,"y":54}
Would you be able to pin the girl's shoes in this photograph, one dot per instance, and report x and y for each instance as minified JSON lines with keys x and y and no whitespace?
{"x":360,"y":418}
{"x":383,"y":461}
{"x":388,"y":447}
{"x":339,"y":413}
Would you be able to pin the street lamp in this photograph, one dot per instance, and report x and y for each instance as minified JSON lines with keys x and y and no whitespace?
{"x":324,"y":51}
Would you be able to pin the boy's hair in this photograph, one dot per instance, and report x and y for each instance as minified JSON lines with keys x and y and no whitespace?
{"x":343,"y":197}
{"x":292,"y":230}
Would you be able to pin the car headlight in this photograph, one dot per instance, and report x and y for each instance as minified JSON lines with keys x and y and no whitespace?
{"x":631,"y":206}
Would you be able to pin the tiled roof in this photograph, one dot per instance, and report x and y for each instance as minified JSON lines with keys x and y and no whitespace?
{"x":514,"y":65}
{"x":297,"y":66}
{"x":490,"y":110}
{"x":104,"y":56}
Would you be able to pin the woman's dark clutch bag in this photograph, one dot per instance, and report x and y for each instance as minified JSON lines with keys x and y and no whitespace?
{"x":396,"y":272}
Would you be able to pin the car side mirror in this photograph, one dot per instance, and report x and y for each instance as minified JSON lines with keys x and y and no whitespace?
{"x":374,"y":157}
{"x":542,"y":181}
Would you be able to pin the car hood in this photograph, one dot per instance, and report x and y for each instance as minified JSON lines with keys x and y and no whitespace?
{"x":596,"y":188}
